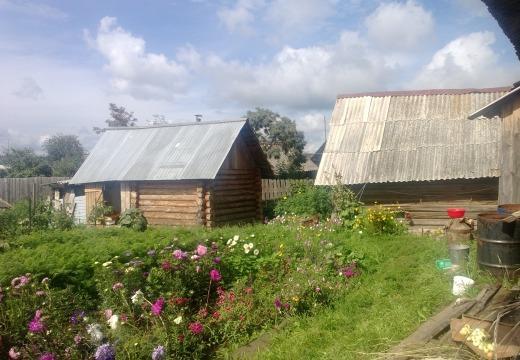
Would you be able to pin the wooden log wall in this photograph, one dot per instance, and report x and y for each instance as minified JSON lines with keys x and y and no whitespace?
{"x":171,"y":203}
{"x":234,"y":197}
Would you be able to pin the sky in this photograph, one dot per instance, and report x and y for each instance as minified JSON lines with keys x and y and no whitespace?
{"x":63,"y":62}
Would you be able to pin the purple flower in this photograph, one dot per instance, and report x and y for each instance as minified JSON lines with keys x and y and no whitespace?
{"x":117,"y":286}
{"x":157,"y":307}
{"x":47,"y":356}
{"x":36,"y":325}
{"x":179,"y":254}
{"x":277,"y":304}
{"x":215,"y":276}
{"x":159,"y":353}
{"x":77,"y":316}
{"x":78,"y":339}
{"x":105,"y":352}
{"x":217,"y":260}
{"x":196,"y":328}
{"x":151,"y":252}
{"x":201,"y":250}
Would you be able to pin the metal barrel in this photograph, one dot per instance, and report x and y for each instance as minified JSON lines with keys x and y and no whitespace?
{"x":498,"y":245}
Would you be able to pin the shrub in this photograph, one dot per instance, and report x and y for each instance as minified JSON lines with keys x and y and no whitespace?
{"x":379,"y":220}
{"x":98,"y":213}
{"x":134,"y":219}
{"x":345,"y":203}
{"x":306,"y":199}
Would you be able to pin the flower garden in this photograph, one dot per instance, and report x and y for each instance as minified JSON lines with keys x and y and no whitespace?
{"x":197,"y":293}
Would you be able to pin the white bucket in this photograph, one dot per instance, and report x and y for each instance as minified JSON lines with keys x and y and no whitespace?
{"x":460,"y":284}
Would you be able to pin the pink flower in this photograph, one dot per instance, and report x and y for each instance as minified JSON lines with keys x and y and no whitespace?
{"x":196,"y":328}
{"x":201,"y":250}
{"x":157,"y":307}
{"x":277,"y":304}
{"x":40,"y":293}
{"x":77,"y":339}
{"x":179,"y":254}
{"x":117,"y":286}
{"x":166,"y":266}
{"x":108,"y":313}
{"x":13,"y":354}
{"x":19,"y":282}
{"x":215,"y":275}
{"x":47,"y":356}
{"x":349,"y":271}
{"x":36,"y":325}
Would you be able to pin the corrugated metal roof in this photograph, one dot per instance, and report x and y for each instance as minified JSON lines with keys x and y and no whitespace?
{"x":173,"y":152}
{"x":411,"y":136}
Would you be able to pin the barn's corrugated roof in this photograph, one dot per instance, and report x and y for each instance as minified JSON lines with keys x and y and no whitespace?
{"x":171,"y":152}
{"x":411,"y":136}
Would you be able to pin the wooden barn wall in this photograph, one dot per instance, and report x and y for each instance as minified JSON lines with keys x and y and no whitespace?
{"x":510,"y":164}
{"x":169,"y":202}
{"x":483,"y":189}
{"x":93,"y":196}
{"x":235,"y":196}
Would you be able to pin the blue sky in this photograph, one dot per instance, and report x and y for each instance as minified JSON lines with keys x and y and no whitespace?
{"x":62,"y":62}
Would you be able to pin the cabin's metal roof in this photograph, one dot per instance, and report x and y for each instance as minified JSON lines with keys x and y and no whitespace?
{"x":411,"y":136}
{"x":181,"y":151}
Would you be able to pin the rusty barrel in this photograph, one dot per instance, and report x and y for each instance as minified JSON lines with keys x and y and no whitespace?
{"x":498,"y":245}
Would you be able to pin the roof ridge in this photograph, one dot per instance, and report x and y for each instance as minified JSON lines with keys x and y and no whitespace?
{"x":426,"y":92}
{"x":187,"y":123}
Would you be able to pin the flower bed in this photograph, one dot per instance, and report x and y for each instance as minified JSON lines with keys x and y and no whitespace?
{"x":183,"y":300}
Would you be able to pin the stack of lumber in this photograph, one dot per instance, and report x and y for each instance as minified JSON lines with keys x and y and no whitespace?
{"x":433,"y":215}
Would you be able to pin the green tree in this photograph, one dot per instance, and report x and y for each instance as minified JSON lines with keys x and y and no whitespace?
{"x":280,"y":140}
{"x":65,"y":154}
{"x":119,"y":117}
{"x":24,"y":162}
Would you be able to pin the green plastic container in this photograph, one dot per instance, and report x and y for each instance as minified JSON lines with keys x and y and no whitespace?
{"x":443,"y":264}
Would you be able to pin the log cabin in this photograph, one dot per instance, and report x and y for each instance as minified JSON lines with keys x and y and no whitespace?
{"x":416,"y":149}
{"x":202,"y":173}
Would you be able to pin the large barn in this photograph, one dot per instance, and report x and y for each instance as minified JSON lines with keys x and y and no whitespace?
{"x":204,"y":173}
{"x":416,"y":148}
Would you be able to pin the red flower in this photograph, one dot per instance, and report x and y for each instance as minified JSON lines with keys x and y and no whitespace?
{"x":215,"y":315}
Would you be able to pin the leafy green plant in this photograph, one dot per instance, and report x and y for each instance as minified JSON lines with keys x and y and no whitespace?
{"x":306,"y":199}
{"x":98,"y":212}
{"x":346,"y":205}
{"x":134,"y":219}
{"x":379,"y":220}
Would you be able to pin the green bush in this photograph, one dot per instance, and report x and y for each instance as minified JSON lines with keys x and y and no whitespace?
{"x":133,"y":218}
{"x":306,"y":199}
{"x":23,"y":218}
{"x":379,"y":220}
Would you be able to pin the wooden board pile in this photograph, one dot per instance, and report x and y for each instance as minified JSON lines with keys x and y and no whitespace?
{"x":486,"y":327}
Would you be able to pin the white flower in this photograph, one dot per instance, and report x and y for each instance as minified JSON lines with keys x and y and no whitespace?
{"x":94,"y":330}
{"x":248,"y":247}
{"x":108,"y":263}
{"x":256,"y":252}
{"x":96,"y":262}
{"x":177,"y":320}
{"x":113,"y":322}
{"x":138,"y":297}
{"x":252,"y":235}
{"x":236,"y":237}
{"x":229,"y":242}
{"x":361,"y":232}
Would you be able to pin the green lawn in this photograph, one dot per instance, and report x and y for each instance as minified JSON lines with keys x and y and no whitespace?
{"x":403,"y":289}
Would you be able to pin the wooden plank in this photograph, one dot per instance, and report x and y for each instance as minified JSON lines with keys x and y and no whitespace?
{"x":176,"y":203}
{"x":172,"y":222}
{"x":164,"y":215}
{"x":170,"y":209}
{"x":169,"y":197}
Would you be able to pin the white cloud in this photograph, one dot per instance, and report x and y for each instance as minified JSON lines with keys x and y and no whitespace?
{"x":399,"y":26}
{"x":133,"y":70}
{"x":29,"y":89}
{"x":466,"y":61}
{"x":474,"y":7}
{"x":299,"y":15}
{"x":313,"y":125}
{"x":240,"y":17}
{"x":30,"y":8}
{"x":308,"y":77}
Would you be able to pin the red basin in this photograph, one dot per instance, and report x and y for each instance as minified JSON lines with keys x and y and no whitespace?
{"x":456,"y":213}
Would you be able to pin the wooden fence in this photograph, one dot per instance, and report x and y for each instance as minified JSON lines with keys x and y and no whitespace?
{"x":13,"y":190}
{"x":276,"y":188}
